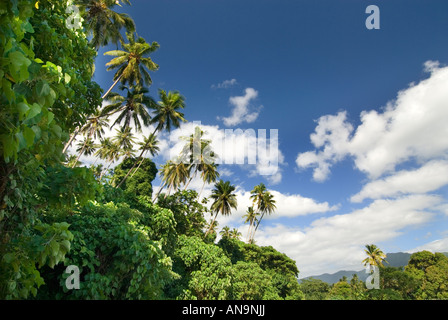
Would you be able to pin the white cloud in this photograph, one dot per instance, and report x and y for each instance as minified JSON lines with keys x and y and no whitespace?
{"x":429,"y":177}
{"x":240,"y":111}
{"x":225,"y":84}
{"x":411,"y":127}
{"x":440,"y":245}
{"x":333,"y":243}
{"x":287,"y":206}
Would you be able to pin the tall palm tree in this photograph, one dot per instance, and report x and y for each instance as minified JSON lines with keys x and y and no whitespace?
{"x":149,"y":144}
{"x":209,"y":175}
{"x":223,"y":200}
{"x":166,"y":111}
{"x":251,"y":217}
{"x":166,"y":114}
{"x":177,"y":175}
{"x":111,"y":153}
{"x":103,"y":23}
{"x":124,"y":138}
{"x":235,"y":234}
{"x":198,"y":153}
{"x":375,"y":256}
{"x":133,"y":62}
{"x":133,"y":107}
{"x":94,"y":128}
{"x":225,"y":232}
{"x":267,"y":206}
{"x":86,"y":148}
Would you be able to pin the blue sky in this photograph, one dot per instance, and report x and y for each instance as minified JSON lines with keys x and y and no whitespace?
{"x":357,"y":165}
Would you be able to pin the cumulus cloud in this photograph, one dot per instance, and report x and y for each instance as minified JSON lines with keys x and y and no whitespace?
{"x":241,"y":109}
{"x":413,"y":126}
{"x":440,"y":245}
{"x":337,"y":242}
{"x":427,"y":178}
{"x":288,"y":206}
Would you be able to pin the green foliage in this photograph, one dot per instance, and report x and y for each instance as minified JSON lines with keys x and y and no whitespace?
{"x":188,"y":212}
{"x":314,"y":289}
{"x":48,"y":245}
{"x":139,"y":183}
{"x":68,"y":187}
{"x":250,"y":282}
{"x":431,"y":271}
{"x":117,"y":257}
{"x":204,"y":268}
{"x":45,"y":74}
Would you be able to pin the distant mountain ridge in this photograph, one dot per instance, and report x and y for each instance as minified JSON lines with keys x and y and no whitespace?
{"x":397,"y":259}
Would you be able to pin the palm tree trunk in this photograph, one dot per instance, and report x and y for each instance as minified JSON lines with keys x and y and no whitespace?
{"x":74,"y":134}
{"x":162,"y":185}
{"x":113,"y":85}
{"x":202,"y":189}
{"x":211,"y":225}
{"x":141,"y":154}
{"x":127,"y":174}
{"x":258,"y":223}
{"x":105,"y":170}
{"x":80,"y":153}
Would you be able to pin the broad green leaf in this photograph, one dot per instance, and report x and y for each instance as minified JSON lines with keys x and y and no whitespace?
{"x":42,"y":88}
{"x":35,"y":110}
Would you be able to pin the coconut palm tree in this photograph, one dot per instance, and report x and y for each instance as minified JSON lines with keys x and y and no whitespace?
{"x":375,"y":256}
{"x":133,"y":62}
{"x":268,"y":206}
{"x":103,"y":23}
{"x":166,"y":111}
{"x":209,"y":175}
{"x":124,"y":138}
{"x":223,"y":199}
{"x":86,"y":148}
{"x":133,"y":107}
{"x":225,"y":232}
{"x":166,"y":114}
{"x":111,"y":152}
{"x":251,"y":217}
{"x":94,"y":128}
{"x":235,"y":234}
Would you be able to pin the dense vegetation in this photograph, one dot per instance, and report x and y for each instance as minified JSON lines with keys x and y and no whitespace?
{"x":127,"y":242}
{"x":55,"y":212}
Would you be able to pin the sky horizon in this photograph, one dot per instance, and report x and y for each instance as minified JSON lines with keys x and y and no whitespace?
{"x":361,"y":116}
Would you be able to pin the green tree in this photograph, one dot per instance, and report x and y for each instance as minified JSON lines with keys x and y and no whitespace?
{"x":206,"y":272}
{"x":140,"y":183}
{"x":46,"y":90}
{"x":263,"y":202}
{"x":132,"y":107}
{"x":431,"y":271}
{"x":224,"y":199}
{"x":314,"y":289}
{"x":251,"y":282}
{"x":133,"y":63}
{"x":375,"y":256}
{"x":103,"y":23}
{"x":188,"y":212}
